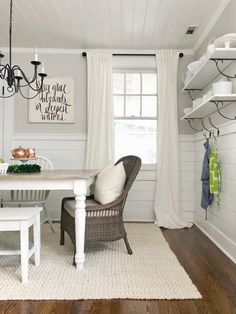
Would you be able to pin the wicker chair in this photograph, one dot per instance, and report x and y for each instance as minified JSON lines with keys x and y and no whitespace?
{"x":103,"y":222}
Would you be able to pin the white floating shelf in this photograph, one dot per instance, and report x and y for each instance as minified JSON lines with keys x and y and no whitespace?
{"x":208,"y":71}
{"x":207,"y":107}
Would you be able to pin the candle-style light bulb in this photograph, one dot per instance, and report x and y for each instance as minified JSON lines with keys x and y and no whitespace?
{"x":43,"y":69}
{"x":36,"y":55}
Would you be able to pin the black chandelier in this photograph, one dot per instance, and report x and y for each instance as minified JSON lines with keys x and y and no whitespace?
{"x":14,"y":75}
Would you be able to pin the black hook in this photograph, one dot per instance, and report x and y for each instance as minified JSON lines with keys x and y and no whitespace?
{"x":189,"y":93}
{"x":221,"y":72}
{"x":206,"y":128}
{"x":220,"y":113}
{"x":205,"y":135}
{"x":215,"y":127}
{"x":189,"y":122}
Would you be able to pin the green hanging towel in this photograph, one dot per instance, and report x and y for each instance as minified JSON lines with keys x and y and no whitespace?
{"x":215,"y":174}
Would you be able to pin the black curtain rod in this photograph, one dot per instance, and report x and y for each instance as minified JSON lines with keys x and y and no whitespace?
{"x":84,"y":54}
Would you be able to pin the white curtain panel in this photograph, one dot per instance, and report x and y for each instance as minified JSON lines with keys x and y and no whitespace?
{"x":167,"y":203}
{"x":100,"y":135}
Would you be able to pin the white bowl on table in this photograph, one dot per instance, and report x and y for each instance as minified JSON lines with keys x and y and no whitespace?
{"x":3,"y":167}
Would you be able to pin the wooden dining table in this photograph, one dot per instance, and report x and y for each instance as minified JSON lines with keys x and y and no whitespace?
{"x":75,"y":180}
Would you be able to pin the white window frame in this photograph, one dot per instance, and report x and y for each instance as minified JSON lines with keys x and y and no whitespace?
{"x":140,"y":71}
{"x":149,"y":166}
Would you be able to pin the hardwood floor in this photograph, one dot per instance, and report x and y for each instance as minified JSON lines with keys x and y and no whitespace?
{"x":210,"y":270}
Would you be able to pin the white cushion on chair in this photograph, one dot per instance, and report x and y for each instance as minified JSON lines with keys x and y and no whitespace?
{"x":110,"y":183}
{"x":70,"y":206}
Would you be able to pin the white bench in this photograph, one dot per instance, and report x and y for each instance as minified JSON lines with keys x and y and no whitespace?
{"x":21,"y":219}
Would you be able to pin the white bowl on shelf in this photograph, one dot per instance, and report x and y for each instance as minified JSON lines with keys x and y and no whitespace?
{"x":209,"y":93}
{"x":203,"y":58}
{"x":187,"y":110}
{"x":187,"y":77}
{"x":210,"y":49}
{"x":197,"y":102}
{"x":227,"y":40}
{"x":194,"y":66}
{"x":205,"y":97}
{"x":222,"y":87}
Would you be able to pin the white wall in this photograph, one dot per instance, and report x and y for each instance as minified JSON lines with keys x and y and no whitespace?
{"x":56,"y":65}
{"x":221,"y":222}
{"x":187,"y":175}
{"x":65,"y":144}
{"x":68,"y":152}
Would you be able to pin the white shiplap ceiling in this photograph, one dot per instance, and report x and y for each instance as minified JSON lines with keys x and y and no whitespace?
{"x":117,"y":24}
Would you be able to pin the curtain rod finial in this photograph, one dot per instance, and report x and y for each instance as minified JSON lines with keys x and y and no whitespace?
{"x":181,"y":54}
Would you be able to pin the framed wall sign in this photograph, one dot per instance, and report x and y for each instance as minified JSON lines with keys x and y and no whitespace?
{"x":55,"y":104}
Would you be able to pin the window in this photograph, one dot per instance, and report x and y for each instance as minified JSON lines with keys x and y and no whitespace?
{"x":135,"y":114}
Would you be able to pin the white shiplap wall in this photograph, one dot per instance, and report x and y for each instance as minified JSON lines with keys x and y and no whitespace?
{"x":187,"y":175}
{"x":221,"y":223}
{"x":68,"y":152}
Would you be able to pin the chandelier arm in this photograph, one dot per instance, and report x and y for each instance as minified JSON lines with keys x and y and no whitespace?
{"x":1,"y":73}
{"x":16,"y":67}
{"x":37,"y":89}
{"x":4,"y":70}
{"x":40,"y":84}
{"x":29,"y":97}
{"x":18,"y":86}
{"x":28,"y":82}
{"x":3,"y":96}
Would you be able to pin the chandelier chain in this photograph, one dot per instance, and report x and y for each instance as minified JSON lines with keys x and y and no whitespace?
{"x":10,"y":31}
{"x":14,"y":76}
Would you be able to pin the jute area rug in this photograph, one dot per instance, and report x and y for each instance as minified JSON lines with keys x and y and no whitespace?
{"x":152,"y":272}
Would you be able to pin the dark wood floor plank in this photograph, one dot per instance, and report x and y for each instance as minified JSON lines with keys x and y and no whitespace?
{"x":210,"y":270}
{"x":206,"y":265}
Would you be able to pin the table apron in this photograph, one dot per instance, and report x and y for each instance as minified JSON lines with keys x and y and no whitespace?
{"x":40,"y":184}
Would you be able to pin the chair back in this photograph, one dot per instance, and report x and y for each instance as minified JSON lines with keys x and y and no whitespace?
{"x":132,"y":165}
{"x":44,"y":163}
{"x":33,"y":196}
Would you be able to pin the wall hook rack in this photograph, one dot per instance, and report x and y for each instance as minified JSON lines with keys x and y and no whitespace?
{"x":205,"y":135}
{"x":219,"y":70}
{"x":215,"y":127}
{"x":190,"y":91}
{"x":217,"y":103}
{"x":203,"y":126}
{"x":190,"y":124}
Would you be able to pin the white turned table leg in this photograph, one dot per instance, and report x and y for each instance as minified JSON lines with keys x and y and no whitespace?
{"x":80,"y":189}
{"x":24,"y":246}
{"x":37,"y":241}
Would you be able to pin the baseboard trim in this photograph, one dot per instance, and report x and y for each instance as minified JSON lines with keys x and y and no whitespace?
{"x":216,"y":242}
